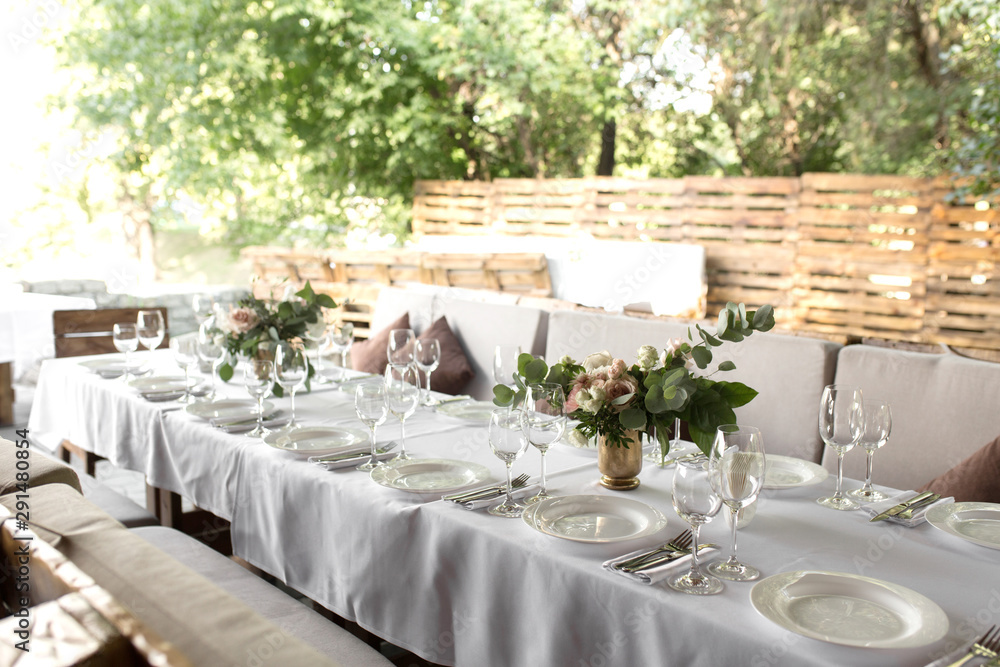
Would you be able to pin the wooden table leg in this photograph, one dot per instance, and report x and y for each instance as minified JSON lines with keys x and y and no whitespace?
{"x":6,"y":393}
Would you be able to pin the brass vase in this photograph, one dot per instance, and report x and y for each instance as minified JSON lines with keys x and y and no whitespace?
{"x":620,"y":466}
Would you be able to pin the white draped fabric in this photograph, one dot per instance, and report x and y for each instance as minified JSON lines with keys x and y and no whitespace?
{"x":466,"y":588}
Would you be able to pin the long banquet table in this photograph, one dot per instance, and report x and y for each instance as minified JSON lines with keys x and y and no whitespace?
{"x":466,"y":588}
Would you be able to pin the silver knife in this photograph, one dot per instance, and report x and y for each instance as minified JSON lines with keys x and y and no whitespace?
{"x":666,"y":558}
{"x":333,"y":458}
{"x":901,"y":507}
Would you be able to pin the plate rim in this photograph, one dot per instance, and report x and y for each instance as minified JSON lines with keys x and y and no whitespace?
{"x":933,"y":517}
{"x":197,"y":406}
{"x":447,"y":407}
{"x":481,"y":471}
{"x":146,"y":378}
{"x":927,"y":608}
{"x":810,"y":465}
{"x":363,"y":436}
{"x":530,"y":518}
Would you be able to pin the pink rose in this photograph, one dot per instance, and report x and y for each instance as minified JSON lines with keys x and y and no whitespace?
{"x":242,"y":320}
{"x":571,"y":404}
{"x":622,"y":386}
{"x":617,"y":369}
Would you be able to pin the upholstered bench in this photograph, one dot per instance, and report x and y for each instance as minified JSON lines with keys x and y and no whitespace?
{"x":152,"y":573}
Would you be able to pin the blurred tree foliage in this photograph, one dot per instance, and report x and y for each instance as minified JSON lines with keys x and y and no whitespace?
{"x":305,"y":119}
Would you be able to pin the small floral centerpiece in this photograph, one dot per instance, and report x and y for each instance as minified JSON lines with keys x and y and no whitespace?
{"x":613,"y":402}
{"x":254,"y":323}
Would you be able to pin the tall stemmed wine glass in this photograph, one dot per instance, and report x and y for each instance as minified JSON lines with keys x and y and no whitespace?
{"x":840,"y":425}
{"x":736,"y":467}
{"x":399,"y":349}
{"x":126,"y":341}
{"x":211,"y":350}
{"x":185,"y":351}
{"x":258,"y":377}
{"x":150,"y":327}
{"x":202,"y":305}
{"x":290,"y":371}
{"x":369,"y":403}
{"x":341,"y":340}
{"x":427,"y":357}
{"x":317,"y":334}
{"x":696,"y":502}
{"x":402,"y":393}
{"x":544,"y":422}
{"x":505,"y":365}
{"x":875,"y":433}
{"x":508,"y":442}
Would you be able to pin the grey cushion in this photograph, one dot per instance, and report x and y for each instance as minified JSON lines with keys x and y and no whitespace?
{"x":789,"y":372}
{"x":944,"y":407}
{"x":274,"y":605}
{"x":120,"y":507}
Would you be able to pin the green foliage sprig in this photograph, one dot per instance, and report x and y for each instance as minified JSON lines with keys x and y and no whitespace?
{"x":609,"y":399}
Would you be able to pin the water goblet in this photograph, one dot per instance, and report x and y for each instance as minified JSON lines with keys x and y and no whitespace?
{"x":427,"y":357}
{"x":369,"y":403}
{"x":875,"y":433}
{"x":185,"y":351}
{"x":399,"y":350}
{"x":211,"y":350}
{"x":402,"y":393}
{"x":736,"y":467}
{"x":840,"y":425}
{"x":290,"y":372}
{"x":696,"y":502}
{"x":508,"y":442}
{"x":505,"y":364}
{"x":341,"y":340}
{"x":202,"y":305}
{"x":544,"y":422}
{"x":258,"y":378}
{"x":126,"y":341}
{"x":150,"y":328}
{"x":316,"y":333}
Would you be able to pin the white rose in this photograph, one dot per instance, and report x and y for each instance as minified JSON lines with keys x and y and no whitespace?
{"x":597,"y":360}
{"x":647,"y":357}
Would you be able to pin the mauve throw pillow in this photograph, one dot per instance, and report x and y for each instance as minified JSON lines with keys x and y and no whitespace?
{"x":454,"y":371}
{"x":976,"y":479}
{"x":369,"y":355}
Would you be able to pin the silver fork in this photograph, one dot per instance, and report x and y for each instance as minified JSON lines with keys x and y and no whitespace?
{"x":679,"y":543}
{"x":515,"y":483}
{"x":987,"y":646}
{"x":907,"y":514}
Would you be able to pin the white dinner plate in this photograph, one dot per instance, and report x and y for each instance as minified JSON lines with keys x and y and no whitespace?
{"x":112,"y":365}
{"x":157,"y":383}
{"x":473,"y":411}
{"x":978,"y":523}
{"x":849,"y":609}
{"x":430,"y":475}
{"x":227,"y":408}
{"x":317,"y":440}
{"x":784,"y":472}
{"x":594,"y":518}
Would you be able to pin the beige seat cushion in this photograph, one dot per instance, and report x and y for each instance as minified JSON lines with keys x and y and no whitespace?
{"x":204,"y":622}
{"x":43,"y":469}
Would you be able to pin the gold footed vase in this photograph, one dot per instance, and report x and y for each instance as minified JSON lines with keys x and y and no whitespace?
{"x":620,"y":467}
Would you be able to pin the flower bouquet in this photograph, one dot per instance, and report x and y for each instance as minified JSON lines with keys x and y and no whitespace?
{"x":614,"y":402}
{"x":255,"y":325}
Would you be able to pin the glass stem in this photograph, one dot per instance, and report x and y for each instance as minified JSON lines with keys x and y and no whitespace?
{"x":510,"y":499}
{"x":542,"y":492}
{"x":695,"y":534}
{"x":428,"y":398}
{"x":260,"y":412}
{"x":840,"y":473}
{"x":292,"y":422}
{"x":374,"y":453}
{"x":402,"y":436}
{"x":868,"y":470}
{"x":735,"y":516}
{"x":187,"y":383}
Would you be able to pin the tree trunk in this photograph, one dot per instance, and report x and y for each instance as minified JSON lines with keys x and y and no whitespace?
{"x":137,"y":229}
{"x":606,"y":166}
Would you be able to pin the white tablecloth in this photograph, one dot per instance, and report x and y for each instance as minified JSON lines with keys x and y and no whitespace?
{"x":26,"y":326}
{"x":467,"y":588}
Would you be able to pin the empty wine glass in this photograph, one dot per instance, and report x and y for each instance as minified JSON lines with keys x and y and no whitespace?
{"x":341,"y":340}
{"x":211,"y":350}
{"x":544,"y":422}
{"x":400,"y":347}
{"x":369,"y":403}
{"x":202,"y":305}
{"x":840,"y":426}
{"x":736,"y":467}
{"x":258,"y":377}
{"x":657,"y":454}
{"x":317,"y":334}
{"x":696,"y":502}
{"x":508,"y":442}
{"x":150,"y":328}
{"x":290,"y":371}
{"x":427,"y":357}
{"x":877,"y":419}
{"x":126,"y":341}
{"x":185,"y":351}
{"x":402,"y":393}
{"x":505,"y":364}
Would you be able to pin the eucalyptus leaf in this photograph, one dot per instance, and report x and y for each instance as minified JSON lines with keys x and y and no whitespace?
{"x":633,"y":419}
{"x":225,"y":372}
{"x":702,"y":356}
{"x":727,"y":366}
{"x":326,"y":301}
{"x":502,"y":395}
